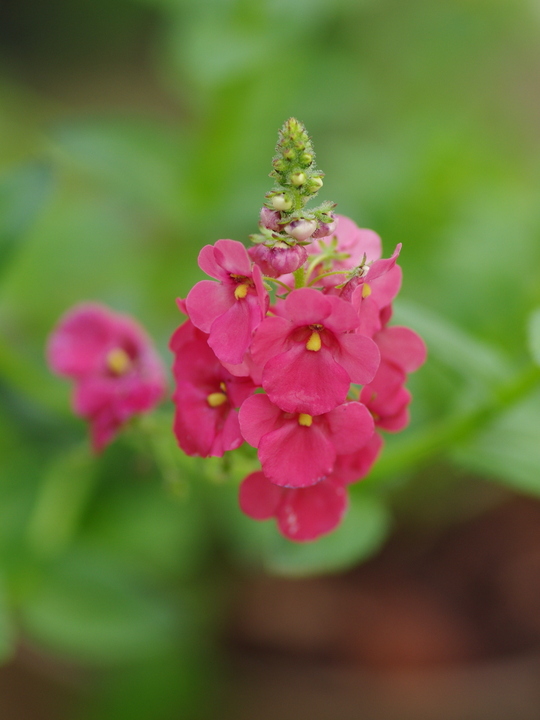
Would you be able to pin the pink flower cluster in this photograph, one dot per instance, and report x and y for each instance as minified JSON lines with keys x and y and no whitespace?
{"x":116,"y":371}
{"x":308,"y":380}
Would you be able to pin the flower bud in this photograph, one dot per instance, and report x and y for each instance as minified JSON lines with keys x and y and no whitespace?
{"x":278,"y":260}
{"x":317,"y":182}
{"x":298,"y":178}
{"x":301,"y":229}
{"x":325,"y":229}
{"x":282,"y":202}
{"x":270,"y":218}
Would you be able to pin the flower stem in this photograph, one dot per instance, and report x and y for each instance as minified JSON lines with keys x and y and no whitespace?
{"x":299,"y":278}
{"x":275,"y":280}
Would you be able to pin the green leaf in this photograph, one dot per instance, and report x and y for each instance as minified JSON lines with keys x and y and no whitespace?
{"x":7,"y":630}
{"x":140,"y":161}
{"x":23,"y":193}
{"x":452,"y":346}
{"x":61,"y":500}
{"x":91,"y":608}
{"x":509,"y":449}
{"x":534,"y":335}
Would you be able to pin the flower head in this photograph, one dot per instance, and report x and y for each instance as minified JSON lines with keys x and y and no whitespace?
{"x":228,"y":311}
{"x":116,"y":370}
{"x":310,"y":354}
{"x":298,"y":449}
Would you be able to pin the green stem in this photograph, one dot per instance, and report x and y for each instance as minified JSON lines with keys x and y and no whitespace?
{"x":327,"y":274}
{"x":274,"y":280}
{"x":429,"y":444}
{"x":299,"y":278}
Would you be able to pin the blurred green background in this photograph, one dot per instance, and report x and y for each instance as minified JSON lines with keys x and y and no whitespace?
{"x":133,"y":132}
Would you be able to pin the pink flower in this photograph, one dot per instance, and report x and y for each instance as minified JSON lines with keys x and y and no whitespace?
{"x":402,"y":352}
{"x":372,"y":291}
{"x":117,"y":373}
{"x":206,"y":394}
{"x":302,"y":514}
{"x":228,"y":311}
{"x":298,"y":450}
{"x":355,"y":466}
{"x":278,"y":259}
{"x":353,"y":243}
{"x":310,"y":354}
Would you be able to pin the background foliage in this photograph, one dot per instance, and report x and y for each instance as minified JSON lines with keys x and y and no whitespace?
{"x":132,"y":133}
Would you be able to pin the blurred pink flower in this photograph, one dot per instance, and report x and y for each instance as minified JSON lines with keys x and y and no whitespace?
{"x":116,"y":370}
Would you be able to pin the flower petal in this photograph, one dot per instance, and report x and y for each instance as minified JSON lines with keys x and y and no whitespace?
{"x":209,"y":264}
{"x":231,"y":332}
{"x":81,"y":340}
{"x":359,"y":356}
{"x":270,"y":339}
{"x":194,"y":420}
{"x":307,"y":306}
{"x":402,"y":346}
{"x":258,"y":416}
{"x":233,"y":257}
{"x":207,"y":301}
{"x":295,"y":455}
{"x":258,"y":497}
{"x":355,"y":466}
{"x":385,"y":288}
{"x":301,"y":381}
{"x":350,"y":427}
{"x":307,"y":513}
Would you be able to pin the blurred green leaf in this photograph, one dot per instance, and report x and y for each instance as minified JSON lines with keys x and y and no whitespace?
{"x":90,"y":608}
{"x":534,"y":335}
{"x":23,"y":194}
{"x":7,"y":630}
{"x":509,"y":449}
{"x":452,"y":346}
{"x":140,"y":161}
{"x":61,"y":500}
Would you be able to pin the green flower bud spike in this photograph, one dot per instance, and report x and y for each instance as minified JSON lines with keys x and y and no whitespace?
{"x":297,"y":178}
{"x":284,"y":221}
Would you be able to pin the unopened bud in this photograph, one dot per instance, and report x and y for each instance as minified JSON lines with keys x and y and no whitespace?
{"x":288,"y":154}
{"x":298,"y":178}
{"x":270,"y":218}
{"x":301,"y":229}
{"x":278,"y":260}
{"x":279,"y":165}
{"x":325,"y":229}
{"x":317,"y":182}
{"x":282,"y":202}
{"x":307,"y":159}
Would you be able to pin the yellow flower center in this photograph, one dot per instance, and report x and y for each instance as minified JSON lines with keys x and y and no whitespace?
{"x":118,"y":361}
{"x":314,"y":343}
{"x":366,"y":291}
{"x":216,"y":399}
{"x":305,"y":420}
{"x":241,"y":291}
